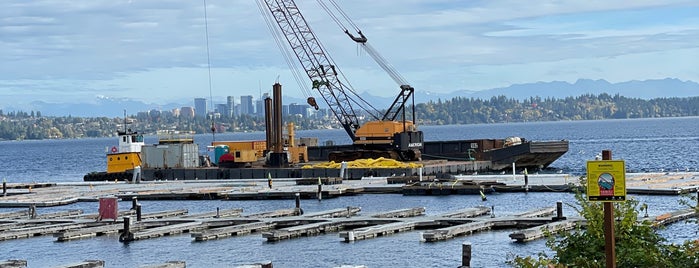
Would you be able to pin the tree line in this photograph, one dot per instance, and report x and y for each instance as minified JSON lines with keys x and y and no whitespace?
{"x":459,"y":110}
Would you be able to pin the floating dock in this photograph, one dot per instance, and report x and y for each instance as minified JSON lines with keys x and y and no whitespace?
{"x":288,"y":188}
{"x":280,"y":225}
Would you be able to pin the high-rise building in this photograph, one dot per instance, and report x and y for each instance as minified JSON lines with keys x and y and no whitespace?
{"x":260,"y":105}
{"x":298,"y":109}
{"x":230,"y":101}
{"x":222,"y":109}
{"x":187,"y":112}
{"x":200,"y":107}
{"x":246,"y":106}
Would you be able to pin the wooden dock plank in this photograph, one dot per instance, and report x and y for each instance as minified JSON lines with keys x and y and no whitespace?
{"x":234,"y":230}
{"x":400,"y":213}
{"x":84,"y":264}
{"x":302,"y":230}
{"x":274,"y":214}
{"x":168,"y":230}
{"x":39,"y":230}
{"x":233,"y":212}
{"x":466,"y":213}
{"x":169,"y":264}
{"x":540,"y":231}
{"x":334,"y":213}
{"x":60,"y":214}
{"x":674,"y":216}
{"x":456,"y":230}
{"x":164,"y":214}
{"x":88,"y":232}
{"x":13,"y":264}
{"x":14,"y":214}
{"x":542,"y":212}
{"x":377,"y":230}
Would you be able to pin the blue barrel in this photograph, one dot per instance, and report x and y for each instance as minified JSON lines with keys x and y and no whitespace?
{"x":219,"y":151}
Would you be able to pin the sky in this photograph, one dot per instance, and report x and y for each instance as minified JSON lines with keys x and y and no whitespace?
{"x":156,"y":50}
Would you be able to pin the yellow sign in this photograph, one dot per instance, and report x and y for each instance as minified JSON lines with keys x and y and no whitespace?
{"x":606,"y":180}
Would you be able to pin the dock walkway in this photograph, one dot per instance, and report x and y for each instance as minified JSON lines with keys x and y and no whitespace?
{"x":283,"y":224}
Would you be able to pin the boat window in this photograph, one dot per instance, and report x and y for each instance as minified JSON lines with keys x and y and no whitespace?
{"x":123,"y":138}
{"x":137,"y":138}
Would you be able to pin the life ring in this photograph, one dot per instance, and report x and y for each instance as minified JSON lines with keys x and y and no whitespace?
{"x":114,"y":149}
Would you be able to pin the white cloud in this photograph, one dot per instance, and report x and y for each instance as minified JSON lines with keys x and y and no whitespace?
{"x":157,"y":49}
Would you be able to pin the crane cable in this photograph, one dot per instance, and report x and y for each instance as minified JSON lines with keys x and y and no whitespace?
{"x":296,"y":70}
{"x":208,"y":63}
{"x":359,"y":101}
{"x":380,"y":60}
{"x":286,"y":53}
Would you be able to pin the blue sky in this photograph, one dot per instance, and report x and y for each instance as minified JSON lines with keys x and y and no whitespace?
{"x":155,"y":51}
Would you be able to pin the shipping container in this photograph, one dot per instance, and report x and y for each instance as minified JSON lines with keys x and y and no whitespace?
{"x":176,"y":155}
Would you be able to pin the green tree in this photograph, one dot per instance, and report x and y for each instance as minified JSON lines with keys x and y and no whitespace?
{"x":637,"y":243}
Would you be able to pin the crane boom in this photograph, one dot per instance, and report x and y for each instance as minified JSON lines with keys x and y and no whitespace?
{"x":318,"y":66}
{"x":381,"y":137}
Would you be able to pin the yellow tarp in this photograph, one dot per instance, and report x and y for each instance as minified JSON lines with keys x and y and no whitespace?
{"x":367,"y":163}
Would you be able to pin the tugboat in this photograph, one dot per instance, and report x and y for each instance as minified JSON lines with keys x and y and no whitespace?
{"x":121,"y":159}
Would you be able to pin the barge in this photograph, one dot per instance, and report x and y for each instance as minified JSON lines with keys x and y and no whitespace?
{"x":500,"y":153}
{"x":177,"y":159}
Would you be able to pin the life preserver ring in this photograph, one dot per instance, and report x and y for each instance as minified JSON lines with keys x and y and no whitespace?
{"x":114,"y":149}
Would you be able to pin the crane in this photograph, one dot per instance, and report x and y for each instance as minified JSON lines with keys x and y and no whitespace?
{"x":384,"y":134}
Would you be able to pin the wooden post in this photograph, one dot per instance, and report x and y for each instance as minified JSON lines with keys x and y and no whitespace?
{"x":299,"y":211}
{"x":466,"y":254}
{"x":609,"y":242}
{"x":320,"y":191}
{"x":492,"y":211}
{"x":526,"y":181}
{"x":559,"y":211}
{"x":4,"y":187}
{"x":126,"y":235}
{"x":218,"y":213}
{"x":134,"y":203}
{"x":32,"y":211}
{"x":138,"y":212}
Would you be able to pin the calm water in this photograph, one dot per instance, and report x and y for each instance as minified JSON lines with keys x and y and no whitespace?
{"x":646,"y":145}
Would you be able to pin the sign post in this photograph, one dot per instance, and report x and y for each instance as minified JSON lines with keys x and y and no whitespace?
{"x":606,"y":182}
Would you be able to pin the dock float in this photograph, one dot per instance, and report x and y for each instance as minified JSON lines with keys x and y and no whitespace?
{"x":169,"y":264}
{"x":457,"y":230}
{"x":540,"y":231}
{"x":377,"y":230}
{"x":228,"y":231}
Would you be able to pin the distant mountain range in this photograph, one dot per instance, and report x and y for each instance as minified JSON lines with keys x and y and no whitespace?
{"x":647,"y":89}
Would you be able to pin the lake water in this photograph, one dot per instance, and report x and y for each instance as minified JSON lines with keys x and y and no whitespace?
{"x":647,"y":145}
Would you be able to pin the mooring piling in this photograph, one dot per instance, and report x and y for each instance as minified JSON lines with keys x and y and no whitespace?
{"x":465,"y":255}
{"x":559,"y":211}
{"x":134,"y":202}
{"x":138,"y":212}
